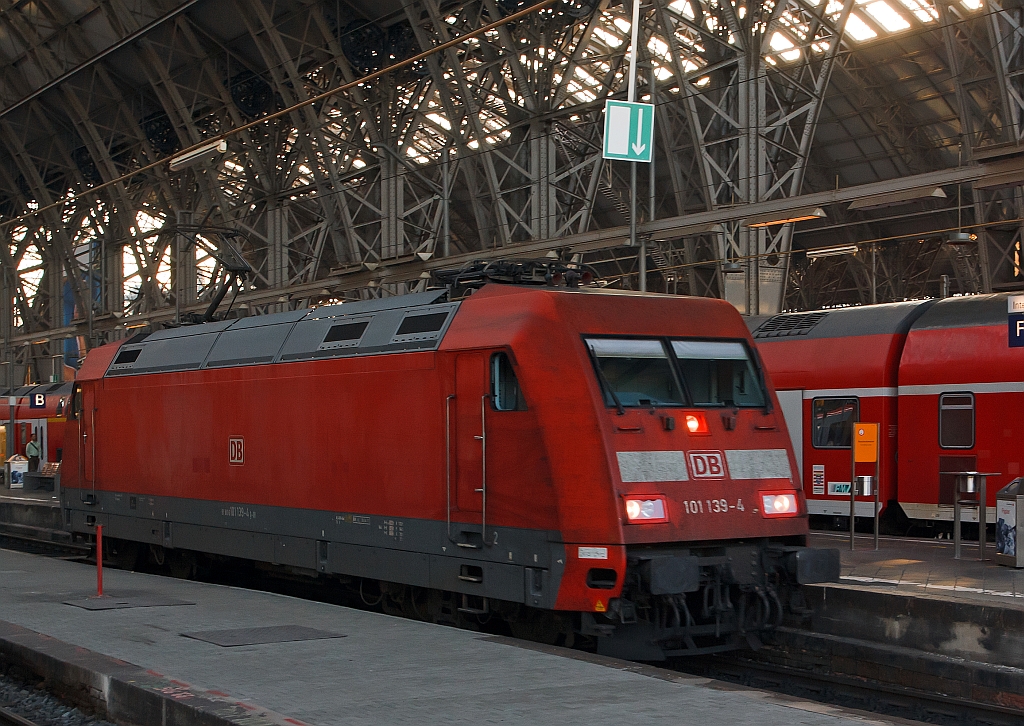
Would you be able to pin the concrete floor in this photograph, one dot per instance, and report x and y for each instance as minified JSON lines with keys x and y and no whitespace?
{"x":384,"y":671}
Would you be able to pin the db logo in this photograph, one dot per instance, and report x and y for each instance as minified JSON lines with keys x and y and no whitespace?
{"x":236,"y":450}
{"x":707,"y":464}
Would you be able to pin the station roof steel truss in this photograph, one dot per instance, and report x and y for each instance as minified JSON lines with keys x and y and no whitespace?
{"x":911,"y":109}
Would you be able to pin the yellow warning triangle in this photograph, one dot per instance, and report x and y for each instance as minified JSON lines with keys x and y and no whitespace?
{"x":599,"y":607}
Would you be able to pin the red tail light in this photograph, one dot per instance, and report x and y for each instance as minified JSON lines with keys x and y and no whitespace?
{"x":779,"y":504}
{"x":696,"y":423}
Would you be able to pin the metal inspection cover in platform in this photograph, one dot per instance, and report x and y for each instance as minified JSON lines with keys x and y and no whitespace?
{"x":126,"y":600}
{"x":258,"y":636}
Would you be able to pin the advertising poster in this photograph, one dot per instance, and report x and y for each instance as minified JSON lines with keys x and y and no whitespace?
{"x":1006,"y":528}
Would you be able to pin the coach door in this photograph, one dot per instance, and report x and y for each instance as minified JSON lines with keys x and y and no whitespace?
{"x":468,"y":410}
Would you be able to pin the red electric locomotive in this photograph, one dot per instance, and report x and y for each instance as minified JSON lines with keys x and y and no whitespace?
{"x":940,"y":378}
{"x":614,"y":460}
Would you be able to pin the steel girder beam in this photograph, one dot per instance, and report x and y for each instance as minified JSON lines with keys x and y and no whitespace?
{"x":750,"y":121}
{"x":1000,"y":246}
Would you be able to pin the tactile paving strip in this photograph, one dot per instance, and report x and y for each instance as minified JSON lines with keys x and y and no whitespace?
{"x":258,"y":636}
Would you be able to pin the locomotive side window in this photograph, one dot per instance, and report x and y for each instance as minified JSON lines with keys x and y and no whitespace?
{"x":429,"y":323}
{"x":505,"y":392}
{"x":127,"y":356}
{"x":719,"y":373}
{"x":635,"y":372}
{"x":76,"y":403}
{"x":956,"y":420}
{"x":832,"y":422}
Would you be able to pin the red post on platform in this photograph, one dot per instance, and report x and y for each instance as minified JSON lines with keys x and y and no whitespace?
{"x":99,"y":560}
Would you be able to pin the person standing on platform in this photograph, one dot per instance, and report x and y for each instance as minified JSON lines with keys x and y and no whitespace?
{"x":32,"y":452}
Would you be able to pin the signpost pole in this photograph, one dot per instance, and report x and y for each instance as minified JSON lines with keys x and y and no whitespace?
{"x":634,"y":33}
{"x":877,"y":487}
{"x":12,"y":401}
{"x":629,"y":136}
{"x":864,"y":449}
{"x":853,"y":490}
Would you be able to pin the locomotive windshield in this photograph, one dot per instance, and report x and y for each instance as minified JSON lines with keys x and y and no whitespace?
{"x":644,"y":372}
{"x":718,"y":373}
{"x":635,"y":372}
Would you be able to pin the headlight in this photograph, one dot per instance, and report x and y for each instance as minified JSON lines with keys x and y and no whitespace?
{"x":647,"y":509}
{"x":779,"y":505}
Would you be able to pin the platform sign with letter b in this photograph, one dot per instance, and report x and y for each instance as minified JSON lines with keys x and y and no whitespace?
{"x":37,"y":400}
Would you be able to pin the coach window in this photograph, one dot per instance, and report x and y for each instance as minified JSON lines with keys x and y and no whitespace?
{"x":832,"y":422}
{"x":505,"y":392}
{"x":956,"y":420}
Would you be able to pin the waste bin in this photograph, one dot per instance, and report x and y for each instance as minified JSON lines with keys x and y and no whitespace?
{"x":1010,"y":523}
{"x":17,"y":467}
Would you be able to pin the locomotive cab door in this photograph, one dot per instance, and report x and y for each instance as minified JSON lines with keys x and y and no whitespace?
{"x":84,"y":409}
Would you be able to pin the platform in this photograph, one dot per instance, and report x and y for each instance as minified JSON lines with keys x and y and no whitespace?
{"x":925,"y":566}
{"x":29,"y":496}
{"x":34,"y":514}
{"x":909,"y":614}
{"x":288,"y":660}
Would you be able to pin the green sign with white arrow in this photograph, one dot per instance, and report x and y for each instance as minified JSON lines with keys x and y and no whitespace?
{"x":628,"y":131}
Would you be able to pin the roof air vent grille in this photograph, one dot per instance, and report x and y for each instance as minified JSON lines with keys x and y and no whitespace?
{"x":787,"y":324}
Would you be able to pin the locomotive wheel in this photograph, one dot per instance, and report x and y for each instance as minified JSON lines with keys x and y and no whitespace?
{"x":391,"y":607}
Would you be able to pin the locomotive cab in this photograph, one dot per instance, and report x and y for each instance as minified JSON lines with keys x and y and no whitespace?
{"x":694,"y":526}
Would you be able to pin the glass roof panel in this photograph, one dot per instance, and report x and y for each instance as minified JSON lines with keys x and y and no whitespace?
{"x":858,"y":29}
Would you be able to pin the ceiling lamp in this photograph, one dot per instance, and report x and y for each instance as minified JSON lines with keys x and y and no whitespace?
{"x":891,"y":199}
{"x":192,"y":156}
{"x":831,"y":251}
{"x":785,"y":217}
{"x":961,"y":238}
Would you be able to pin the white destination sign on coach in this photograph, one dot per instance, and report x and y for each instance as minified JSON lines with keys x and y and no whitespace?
{"x":593,"y":553}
